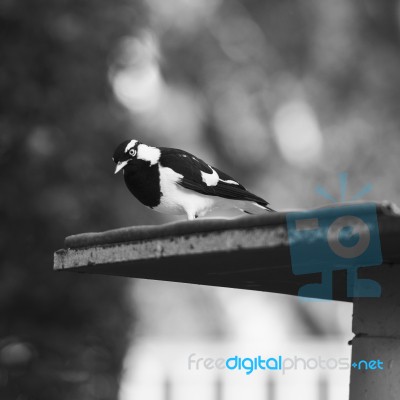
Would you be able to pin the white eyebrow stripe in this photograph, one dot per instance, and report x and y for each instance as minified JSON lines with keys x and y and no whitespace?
{"x":131,"y":144}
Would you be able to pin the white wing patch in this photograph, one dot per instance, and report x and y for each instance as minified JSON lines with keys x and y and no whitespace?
{"x":213,"y":179}
{"x":148,"y":153}
{"x":230,"y":182}
{"x":131,"y":144}
{"x":210,"y":179}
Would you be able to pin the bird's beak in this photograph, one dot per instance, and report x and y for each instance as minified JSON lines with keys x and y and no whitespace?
{"x":120,"y":165}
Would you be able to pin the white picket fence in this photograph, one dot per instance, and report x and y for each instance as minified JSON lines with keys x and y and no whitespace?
{"x":159,"y":370}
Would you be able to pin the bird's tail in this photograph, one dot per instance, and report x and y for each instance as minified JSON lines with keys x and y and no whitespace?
{"x":251,"y":207}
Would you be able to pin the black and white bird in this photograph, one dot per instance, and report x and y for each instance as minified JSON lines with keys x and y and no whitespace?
{"x":176,"y":182}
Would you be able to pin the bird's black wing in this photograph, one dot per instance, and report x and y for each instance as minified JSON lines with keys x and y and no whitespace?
{"x":190,"y":167}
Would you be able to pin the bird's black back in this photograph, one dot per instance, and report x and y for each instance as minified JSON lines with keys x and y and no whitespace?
{"x":191,"y":167}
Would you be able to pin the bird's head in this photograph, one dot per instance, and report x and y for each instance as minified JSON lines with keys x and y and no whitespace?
{"x":132,"y":151}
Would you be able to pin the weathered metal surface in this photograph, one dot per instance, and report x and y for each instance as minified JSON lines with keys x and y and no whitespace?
{"x":248,"y":253}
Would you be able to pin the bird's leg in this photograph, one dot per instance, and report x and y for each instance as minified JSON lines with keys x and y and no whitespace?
{"x":191,"y":216}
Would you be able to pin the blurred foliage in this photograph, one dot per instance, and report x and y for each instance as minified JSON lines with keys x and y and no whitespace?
{"x":283,"y":94}
{"x":62,"y":336}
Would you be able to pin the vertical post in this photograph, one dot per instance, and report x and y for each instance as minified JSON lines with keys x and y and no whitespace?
{"x":218,"y":389}
{"x":271,"y":389}
{"x":375,"y":369}
{"x":323,"y":388}
{"x":167,"y":388}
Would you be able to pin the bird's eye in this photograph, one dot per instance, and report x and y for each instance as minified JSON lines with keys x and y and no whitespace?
{"x":132,"y":152}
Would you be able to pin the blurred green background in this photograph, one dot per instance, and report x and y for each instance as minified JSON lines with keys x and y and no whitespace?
{"x":282,"y":94}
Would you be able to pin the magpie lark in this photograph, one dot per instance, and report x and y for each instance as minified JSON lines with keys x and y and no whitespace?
{"x":176,"y":182}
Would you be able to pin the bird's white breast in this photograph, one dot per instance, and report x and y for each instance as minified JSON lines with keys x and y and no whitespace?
{"x":176,"y":199}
